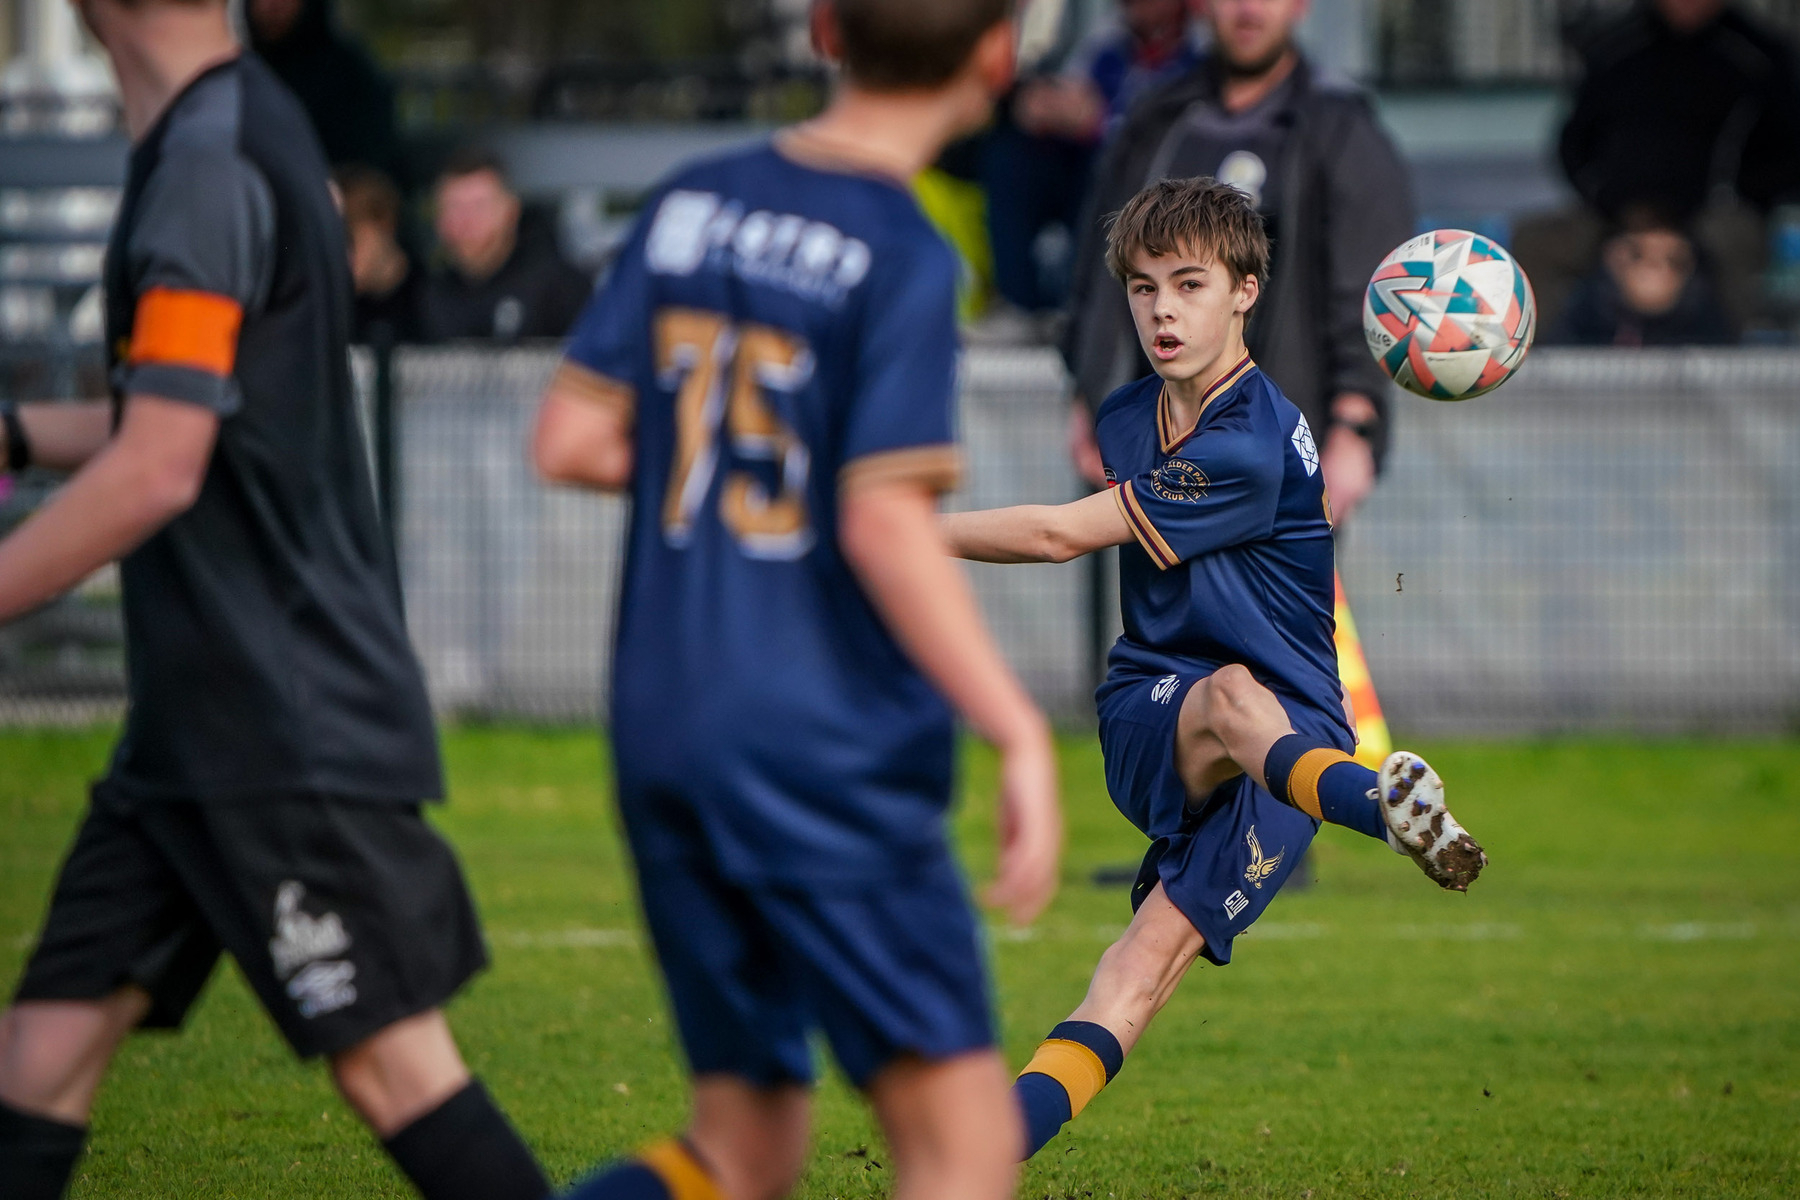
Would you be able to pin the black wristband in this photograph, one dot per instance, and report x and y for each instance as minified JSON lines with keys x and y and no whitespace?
{"x":18,"y":448}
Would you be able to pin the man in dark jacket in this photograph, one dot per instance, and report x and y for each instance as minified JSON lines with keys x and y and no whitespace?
{"x":501,"y":279}
{"x":1334,"y":194}
{"x":350,"y":102}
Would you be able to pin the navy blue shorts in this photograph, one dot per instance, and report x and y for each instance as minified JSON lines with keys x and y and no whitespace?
{"x":883,"y":971}
{"x":1222,"y":860}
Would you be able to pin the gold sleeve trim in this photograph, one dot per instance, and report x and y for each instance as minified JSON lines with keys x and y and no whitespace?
{"x":574,"y":379}
{"x":1143,"y":528}
{"x":939,"y":468}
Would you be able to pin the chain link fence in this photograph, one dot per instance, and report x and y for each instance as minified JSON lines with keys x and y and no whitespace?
{"x":1610,"y":543}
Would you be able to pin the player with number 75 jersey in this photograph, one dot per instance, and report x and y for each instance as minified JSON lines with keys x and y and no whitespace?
{"x":770,"y":371}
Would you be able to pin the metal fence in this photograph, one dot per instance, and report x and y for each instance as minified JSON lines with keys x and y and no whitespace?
{"x":1610,"y":542}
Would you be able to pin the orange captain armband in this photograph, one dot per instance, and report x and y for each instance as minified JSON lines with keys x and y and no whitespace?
{"x":179,"y":328}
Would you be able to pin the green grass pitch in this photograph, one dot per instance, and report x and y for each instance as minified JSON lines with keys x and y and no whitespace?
{"x":1614,"y":1011}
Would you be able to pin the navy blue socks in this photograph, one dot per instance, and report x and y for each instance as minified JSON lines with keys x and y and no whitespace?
{"x":666,"y":1170}
{"x":1325,"y":783}
{"x":1068,"y":1070}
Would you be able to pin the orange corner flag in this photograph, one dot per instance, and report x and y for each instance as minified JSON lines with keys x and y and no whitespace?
{"x":1373,"y":744}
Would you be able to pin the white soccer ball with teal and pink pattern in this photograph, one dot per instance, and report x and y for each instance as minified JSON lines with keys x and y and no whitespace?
{"x":1449,"y":315}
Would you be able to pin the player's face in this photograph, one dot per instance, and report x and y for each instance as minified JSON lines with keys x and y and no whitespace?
{"x":1188,"y":311}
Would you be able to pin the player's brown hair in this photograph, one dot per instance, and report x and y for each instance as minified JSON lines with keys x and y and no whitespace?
{"x":1199,"y":215}
{"x":902,"y":45}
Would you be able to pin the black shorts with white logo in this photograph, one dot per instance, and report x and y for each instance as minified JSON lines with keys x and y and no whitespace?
{"x":344,"y":916}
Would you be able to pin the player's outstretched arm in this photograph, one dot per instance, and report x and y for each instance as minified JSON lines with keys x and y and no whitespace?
{"x":889,"y":534}
{"x":146,"y":476}
{"x":1030,"y":533}
{"x":583,"y":434}
{"x":62,"y":436}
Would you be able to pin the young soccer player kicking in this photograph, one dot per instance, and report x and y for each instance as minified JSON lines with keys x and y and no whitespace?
{"x":1221,"y":718}
{"x":770,"y":372}
{"x":264,"y":799}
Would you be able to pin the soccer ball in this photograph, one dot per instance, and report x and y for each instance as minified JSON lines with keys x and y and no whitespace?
{"x":1449,"y":315}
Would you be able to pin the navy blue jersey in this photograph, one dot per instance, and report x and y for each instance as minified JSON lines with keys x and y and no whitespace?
{"x":788,"y":332}
{"x":1233,"y":558}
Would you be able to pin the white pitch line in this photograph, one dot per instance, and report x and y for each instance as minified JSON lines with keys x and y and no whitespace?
{"x":560,"y":939}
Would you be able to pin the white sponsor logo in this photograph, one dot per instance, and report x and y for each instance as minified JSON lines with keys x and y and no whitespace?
{"x":1236,"y":903}
{"x":1163,"y":689}
{"x":1304,"y":447}
{"x":300,"y":937}
{"x":323,"y":987}
{"x":809,"y":258}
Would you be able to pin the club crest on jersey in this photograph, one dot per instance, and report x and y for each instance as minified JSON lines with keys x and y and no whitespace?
{"x":1305,"y":447}
{"x":1260,"y":867}
{"x":1179,"y":479}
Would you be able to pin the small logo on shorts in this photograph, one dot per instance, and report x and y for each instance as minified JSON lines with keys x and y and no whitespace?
{"x":1164,"y":689}
{"x":1260,"y":868}
{"x":302,"y":943}
{"x":323,"y":987}
{"x":1236,"y":903}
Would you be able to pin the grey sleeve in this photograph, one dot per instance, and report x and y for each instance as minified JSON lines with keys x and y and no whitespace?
{"x":205,"y":223}
{"x":1369,"y":211}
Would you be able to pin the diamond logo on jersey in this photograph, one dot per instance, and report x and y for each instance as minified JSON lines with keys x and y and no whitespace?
{"x":1236,"y":903}
{"x":300,"y":937}
{"x":1260,"y":868}
{"x":1164,"y":689}
{"x":1305,"y":447}
{"x":1179,"y":479}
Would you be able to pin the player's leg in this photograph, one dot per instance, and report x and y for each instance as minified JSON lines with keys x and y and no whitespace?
{"x":53,"y":1055}
{"x":949,"y":1127}
{"x":122,"y":946}
{"x":745,"y":1142}
{"x":352,"y":923}
{"x":743,"y":1027}
{"x":1231,"y":723}
{"x":1137,"y":975}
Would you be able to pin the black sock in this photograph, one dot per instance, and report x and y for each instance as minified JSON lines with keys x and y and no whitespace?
{"x":37,"y":1154}
{"x":466,"y":1149}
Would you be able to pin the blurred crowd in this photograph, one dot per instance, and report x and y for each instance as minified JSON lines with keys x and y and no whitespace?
{"x":1681,"y":150}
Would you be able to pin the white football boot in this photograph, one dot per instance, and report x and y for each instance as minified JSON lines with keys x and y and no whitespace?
{"x":1419,"y":825}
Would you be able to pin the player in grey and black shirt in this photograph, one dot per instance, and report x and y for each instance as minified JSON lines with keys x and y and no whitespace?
{"x":264,"y":799}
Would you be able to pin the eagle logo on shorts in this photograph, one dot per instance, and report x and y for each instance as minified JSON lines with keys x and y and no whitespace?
{"x":1260,"y":868}
{"x":1179,"y":479}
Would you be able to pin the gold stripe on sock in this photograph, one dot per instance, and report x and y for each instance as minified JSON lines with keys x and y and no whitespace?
{"x":1303,"y":780}
{"x":679,"y":1171}
{"x":1073,"y":1065}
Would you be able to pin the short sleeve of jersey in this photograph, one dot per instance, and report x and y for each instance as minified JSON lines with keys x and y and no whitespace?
{"x":199,"y":255}
{"x":902,"y":420}
{"x":1224,"y":490}
{"x":609,"y":336}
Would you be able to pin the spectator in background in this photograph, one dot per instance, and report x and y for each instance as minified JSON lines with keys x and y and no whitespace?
{"x":1690,"y":107}
{"x":387,"y":283}
{"x":1333,"y":193}
{"x":350,"y":101}
{"x":1037,"y":159}
{"x":1647,"y":292}
{"x":501,"y":279}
